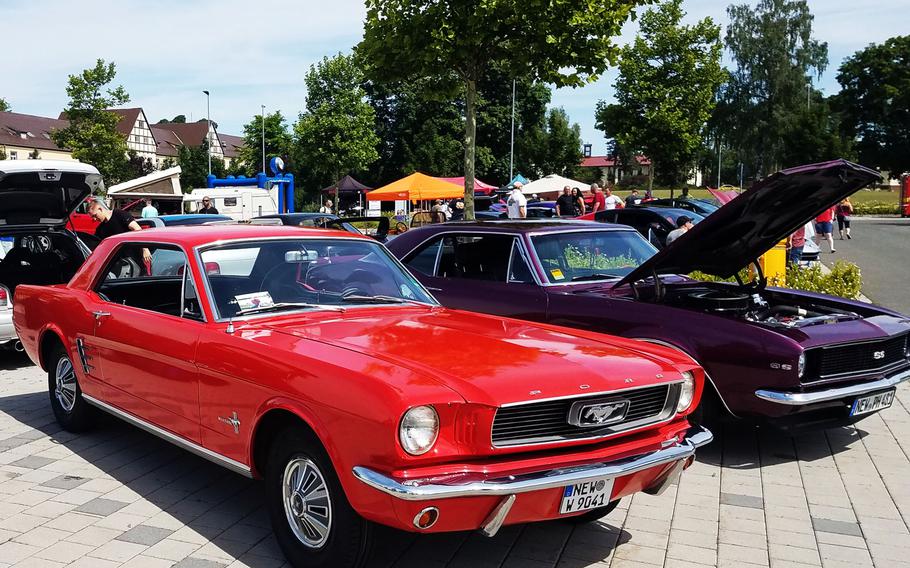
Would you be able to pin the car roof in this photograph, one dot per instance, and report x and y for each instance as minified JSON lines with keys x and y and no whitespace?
{"x":523,"y":226}
{"x":199,"y":235}
{"x":297,"y":215}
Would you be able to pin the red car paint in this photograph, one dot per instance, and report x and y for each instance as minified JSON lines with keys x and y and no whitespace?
{"x":350,"y":376}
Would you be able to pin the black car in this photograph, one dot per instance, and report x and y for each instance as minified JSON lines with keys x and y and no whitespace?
{"x":700,"y":206}
{"x":654,"y":223}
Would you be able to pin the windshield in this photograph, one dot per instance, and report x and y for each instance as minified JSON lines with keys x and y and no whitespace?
{"x":275,"y":275}
{"x":590,"y":256}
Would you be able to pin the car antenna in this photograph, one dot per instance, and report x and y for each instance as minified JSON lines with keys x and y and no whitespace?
{"x":230,"y":327}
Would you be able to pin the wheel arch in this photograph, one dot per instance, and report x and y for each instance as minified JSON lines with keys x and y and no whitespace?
{"x":48,"y":338}
{"x":275,"y":416}
{"x":710,"y":381}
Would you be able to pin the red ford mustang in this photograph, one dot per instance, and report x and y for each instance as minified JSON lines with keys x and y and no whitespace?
{"x":312,"y":359}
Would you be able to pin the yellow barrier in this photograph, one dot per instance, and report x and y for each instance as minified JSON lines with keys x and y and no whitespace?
{"x":774,"y":264}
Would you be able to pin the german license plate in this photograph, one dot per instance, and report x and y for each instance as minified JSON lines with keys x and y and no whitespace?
{"x":587,"y":495}
{"x":872,"y":402}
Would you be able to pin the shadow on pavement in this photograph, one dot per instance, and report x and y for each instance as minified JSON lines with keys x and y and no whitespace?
{"x":11,"y":360}
{"x":228,"y":509}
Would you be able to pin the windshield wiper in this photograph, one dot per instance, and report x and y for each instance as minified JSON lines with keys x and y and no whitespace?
{"x":288,"y":305}
{"x":380,"y":299}
{"x":594,"y":277}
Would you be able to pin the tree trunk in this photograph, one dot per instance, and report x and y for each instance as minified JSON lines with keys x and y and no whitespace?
{"x":470,"y":129}
{"x":337,"y":204}
{"x":651,"y":178}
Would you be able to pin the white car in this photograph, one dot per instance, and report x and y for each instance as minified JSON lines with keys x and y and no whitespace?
{"x":811,"y":248}
{"x":36,"y":200}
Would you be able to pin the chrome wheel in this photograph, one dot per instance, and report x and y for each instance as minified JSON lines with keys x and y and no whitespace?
{"x":65,"y":389}
{"x":306,"y":502}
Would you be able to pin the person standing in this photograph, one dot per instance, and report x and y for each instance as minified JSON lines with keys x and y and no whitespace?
{"x":207,"y":207}
{"x":683,"y":225}
{"x":458,"y":211}
{"x":824,"y":228}
{"x":114,"y":222}
{"x":565,"y":204}
{"x":149,"y":210}
{"x":844,"y":211}
{"x":633,"y":198}
{"x":611,"y":201}
{"x":795,"y":244}
{"x":517,"y":204}
{"x":578,"y":201}
{"x":599,"y":199}
{"x":326,"y":208}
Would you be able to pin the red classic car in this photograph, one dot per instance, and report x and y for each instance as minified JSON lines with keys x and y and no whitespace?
{"x":312,"y":359}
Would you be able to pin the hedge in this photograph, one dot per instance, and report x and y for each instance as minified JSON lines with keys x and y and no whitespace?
{"x":876,"y":208}
{"x":844,"y":279}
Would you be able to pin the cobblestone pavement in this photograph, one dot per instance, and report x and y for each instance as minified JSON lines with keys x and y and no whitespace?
{"x":120,"y":497}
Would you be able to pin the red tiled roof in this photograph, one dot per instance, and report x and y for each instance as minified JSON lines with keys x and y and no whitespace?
{"x":128,"y":117}
{"x":191,"y":133}
{"x":608,"y":162}
{"x":230,"y":144}
{"x":28,"y":130}
{"x":167,"y":140}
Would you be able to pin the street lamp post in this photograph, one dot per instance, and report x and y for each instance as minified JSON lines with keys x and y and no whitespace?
{"x":262,"y":117}
{"x":208,"y":124}
{"x":512,"y":140}
{"x":720,"y":151}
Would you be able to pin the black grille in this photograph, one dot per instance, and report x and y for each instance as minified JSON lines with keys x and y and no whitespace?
{"x":857,"y":357}
{"x":539,"y":422}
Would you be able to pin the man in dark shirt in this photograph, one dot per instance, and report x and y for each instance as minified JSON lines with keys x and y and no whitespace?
{"x":209,"y":209}
{"x":113,"y":222}
{"x":565,"y":205}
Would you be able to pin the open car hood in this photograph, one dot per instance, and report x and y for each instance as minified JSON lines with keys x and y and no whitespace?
{"x":44,"y":192}
{"x":748,"y":226}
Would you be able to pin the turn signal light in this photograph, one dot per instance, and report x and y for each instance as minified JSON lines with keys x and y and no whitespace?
{"x":4,"y":297}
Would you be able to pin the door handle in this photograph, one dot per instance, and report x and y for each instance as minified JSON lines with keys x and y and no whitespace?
{"x":99,"y":314}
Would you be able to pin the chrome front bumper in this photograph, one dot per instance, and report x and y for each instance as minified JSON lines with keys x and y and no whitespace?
{"x":472,"y":486}
{"x":804,"y":398}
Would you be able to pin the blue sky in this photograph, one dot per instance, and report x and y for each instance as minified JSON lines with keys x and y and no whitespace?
{"x":168,"y":51}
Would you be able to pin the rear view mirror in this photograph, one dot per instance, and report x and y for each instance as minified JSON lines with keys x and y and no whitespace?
{"x":295,"y":256}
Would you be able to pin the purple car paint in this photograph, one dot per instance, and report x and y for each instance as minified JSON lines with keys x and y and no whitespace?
{"x":793,"y":358}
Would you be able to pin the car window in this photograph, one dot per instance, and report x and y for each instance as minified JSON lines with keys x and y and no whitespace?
{"x":519,"y":272}
{"x":305,"y":273}
{"x":424,"y":259}
{"x":591,"y":255}
{"x":475,"y":257}
{"x":145,"y":276}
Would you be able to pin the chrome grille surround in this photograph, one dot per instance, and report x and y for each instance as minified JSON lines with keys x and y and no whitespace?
{"x":547,"y":421}
{"x":846,"y":360}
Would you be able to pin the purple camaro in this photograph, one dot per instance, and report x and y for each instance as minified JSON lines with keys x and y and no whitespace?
{"x":788,"y":357}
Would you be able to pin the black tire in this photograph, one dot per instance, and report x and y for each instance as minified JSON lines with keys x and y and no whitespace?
{"x":593,"y":514}
{"x":73,"y":413}
{"x":347,"y":541}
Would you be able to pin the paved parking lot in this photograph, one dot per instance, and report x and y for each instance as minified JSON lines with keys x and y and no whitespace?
{"x":119,"y":497}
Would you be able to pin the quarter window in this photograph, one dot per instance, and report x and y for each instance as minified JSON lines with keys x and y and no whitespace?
{"x":424,"y":260}
{"x":475,"y":257}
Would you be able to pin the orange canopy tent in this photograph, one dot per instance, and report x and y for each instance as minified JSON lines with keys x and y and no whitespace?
{"x":416,"y":187}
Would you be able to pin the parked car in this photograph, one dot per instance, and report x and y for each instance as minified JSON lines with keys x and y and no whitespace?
{"x":654,"y":224}
{"x":324,"y":367}
{"x":783,"y":356}
{"x":182,"y":220}
{"x":700,"y":206}
{"x":36,"y":200}
{"x":375,"y":227}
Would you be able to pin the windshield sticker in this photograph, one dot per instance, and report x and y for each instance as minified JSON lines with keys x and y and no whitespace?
{"x":557,"y":274}
{"x":254,"y":300}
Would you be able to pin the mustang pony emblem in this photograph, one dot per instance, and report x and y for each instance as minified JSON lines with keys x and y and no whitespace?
{"x":588,"y":414}
{"x":231,"y":421}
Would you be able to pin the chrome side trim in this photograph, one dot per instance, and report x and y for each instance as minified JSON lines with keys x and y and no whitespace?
{"x":804,"y":398}
{"x":497,"y":517}
{"x":179,"y":441}
{"x":472,"y":485}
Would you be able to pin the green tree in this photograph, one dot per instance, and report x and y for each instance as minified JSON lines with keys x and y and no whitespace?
{"x":277,"y":142}
{"x":776,"y":57}
{"x":138,"y":166}
{"x":4,"y":106}
{"x":194,"y":166}
{"x":667,"y":82}
{"x":179,"y":119}
{"x":553,"y":149}
{"x":92,"y":135}
{"x":453,"y":44}
{"x":336,"y":134}
{"x":874,"y":103}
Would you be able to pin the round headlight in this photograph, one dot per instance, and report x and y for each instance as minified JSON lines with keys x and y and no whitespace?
{"x":686,"y":392}
{"x":418,"y":430}
{"x":801,"y":365}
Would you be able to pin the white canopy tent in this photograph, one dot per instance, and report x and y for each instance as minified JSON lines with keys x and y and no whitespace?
{"x":551,"y":186}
